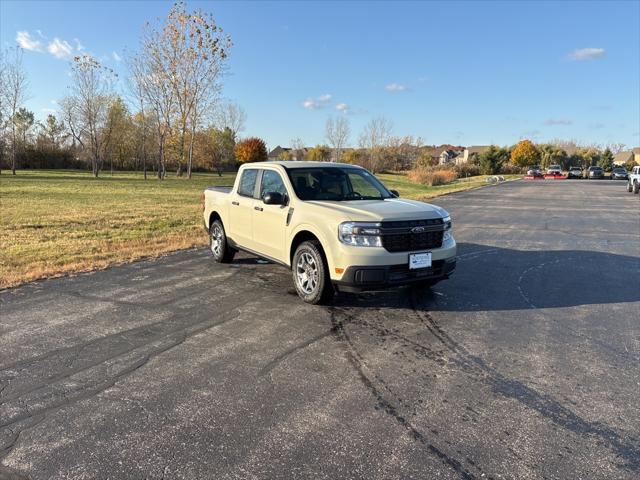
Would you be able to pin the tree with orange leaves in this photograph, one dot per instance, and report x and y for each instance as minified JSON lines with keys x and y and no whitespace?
{"x":252,"y":149}
{"x":525,"y":154}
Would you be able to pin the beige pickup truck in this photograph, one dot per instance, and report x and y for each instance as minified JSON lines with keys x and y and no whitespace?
{"x":336,"y":226}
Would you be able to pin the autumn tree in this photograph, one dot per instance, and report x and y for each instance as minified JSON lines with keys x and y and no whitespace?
{"x":251,"y":149}
{"x":222,"y":144}
{"x":180,"y":65}
{"x":285,"y":155}
{"x":588,"y":156}
{"x":524,"y":154}
{"x":353,"y":157}
{"x":337,"y":133}
{"x":319,"y":153}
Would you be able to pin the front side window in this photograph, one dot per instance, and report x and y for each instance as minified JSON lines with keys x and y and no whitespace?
{"x":248,"y":183}
{"x":336,"y":184}
{"x":272,"y":182}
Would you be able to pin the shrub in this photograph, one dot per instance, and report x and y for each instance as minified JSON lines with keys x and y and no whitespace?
{"x":510,"y":169}
{"x":431,"y":177}
{"x":467,"y":170}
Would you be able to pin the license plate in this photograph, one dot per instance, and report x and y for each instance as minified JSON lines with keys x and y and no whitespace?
{"x":419,"y":260}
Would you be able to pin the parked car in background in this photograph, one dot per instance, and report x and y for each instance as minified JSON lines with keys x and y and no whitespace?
{"x":534,"y":170}
{"x":554,"y":170}
{"x":619,"y":173}
{"x":633,"y":182}
{"x":575,"y":172}
{"x":595,"y":173}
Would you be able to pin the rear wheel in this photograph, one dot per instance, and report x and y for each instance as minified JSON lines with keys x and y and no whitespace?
{"x":220,"y":249}
{"x":629,"y":186}
{"x":636,"y":186}
{"x":311,"y":274}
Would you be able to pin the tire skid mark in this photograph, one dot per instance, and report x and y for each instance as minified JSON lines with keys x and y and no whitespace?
{"x":544,"y":404}
{"x":296,"y":348}
{"x":338,"y":320}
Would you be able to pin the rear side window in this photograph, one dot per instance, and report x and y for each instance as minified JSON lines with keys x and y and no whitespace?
{"x":272,"y":182}
{"x":248,"y":183}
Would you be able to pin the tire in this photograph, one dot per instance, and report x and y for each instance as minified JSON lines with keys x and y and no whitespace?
{"x":220,"y":249}
{"x":636,"y":187}
{"x":629,"y":186}
{"x":311,"y":274}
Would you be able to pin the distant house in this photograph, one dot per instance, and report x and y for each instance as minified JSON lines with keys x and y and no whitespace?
{"x":276,"y":152}
{"x":621,"y":158}
{"x":472,"y":152}
{"x":449,"y":156}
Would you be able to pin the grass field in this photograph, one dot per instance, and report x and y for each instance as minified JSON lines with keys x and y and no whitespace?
{"x":54,"y":221}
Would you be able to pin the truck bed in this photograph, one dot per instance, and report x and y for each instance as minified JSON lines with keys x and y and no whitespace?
{"x":223,"y":189}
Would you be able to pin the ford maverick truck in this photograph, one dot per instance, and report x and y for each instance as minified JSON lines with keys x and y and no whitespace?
{"x":336,"y":226}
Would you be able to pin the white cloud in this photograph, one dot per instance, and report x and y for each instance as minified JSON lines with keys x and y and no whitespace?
{"x":79,"y":46}
{"x":317,"y":102}
{"x":342,"y":107}
{"x":116,"y":57}
{"x":558,"y":121}
{"x":25,"y":41}
{"x":48,"y":110}
{"x":59,"y":48}
{"x":396,"y":87}
{"x":586,"y":54}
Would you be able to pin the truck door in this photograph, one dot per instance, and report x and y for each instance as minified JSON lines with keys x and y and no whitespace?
{"x":240,"y":228}
{"x":270,"y":221}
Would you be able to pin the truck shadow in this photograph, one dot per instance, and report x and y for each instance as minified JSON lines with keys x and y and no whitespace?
{"x":492,"y":278}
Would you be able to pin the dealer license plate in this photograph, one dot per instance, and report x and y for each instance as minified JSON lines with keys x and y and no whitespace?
{"x":419,"y":260}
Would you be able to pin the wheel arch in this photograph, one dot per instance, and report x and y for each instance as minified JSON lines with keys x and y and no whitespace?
{"x":213,"y":216}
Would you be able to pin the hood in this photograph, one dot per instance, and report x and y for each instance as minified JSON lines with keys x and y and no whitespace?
{"x":379,"y":210}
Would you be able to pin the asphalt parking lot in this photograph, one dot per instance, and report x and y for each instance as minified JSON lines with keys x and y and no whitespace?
{"x":525,"y":364}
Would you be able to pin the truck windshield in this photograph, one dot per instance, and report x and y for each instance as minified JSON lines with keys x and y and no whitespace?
{"x":336,"y":184}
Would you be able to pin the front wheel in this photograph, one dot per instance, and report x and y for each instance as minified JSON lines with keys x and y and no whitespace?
{"x":220,"y":249}
{"x":311,"y":274}
{"x":629,"y":186}
{"x":636,"y":187}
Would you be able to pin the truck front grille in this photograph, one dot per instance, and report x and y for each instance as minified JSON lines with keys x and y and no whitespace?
{"x":405,"y":242}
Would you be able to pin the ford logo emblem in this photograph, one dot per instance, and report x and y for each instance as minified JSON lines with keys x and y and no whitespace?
{"x":417,"y":230}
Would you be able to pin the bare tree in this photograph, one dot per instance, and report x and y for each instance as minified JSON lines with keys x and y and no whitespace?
{"x":3,"y":105}
{"x":232,"y":116}
{"x":297,"y":148}
{"x":91,"y":93}
{"x":337,"y":134}
{"x":374,"y":137}
{"x":14,"y":93}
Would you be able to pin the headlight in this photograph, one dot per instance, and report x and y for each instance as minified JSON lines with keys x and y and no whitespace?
{"x":360,"y":234}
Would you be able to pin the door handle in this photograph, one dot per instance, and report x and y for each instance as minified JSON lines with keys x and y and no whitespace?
{"x":235,"y":203}
{"x":258,"y":208}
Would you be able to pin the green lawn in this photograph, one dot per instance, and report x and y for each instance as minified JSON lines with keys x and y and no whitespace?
{"x":59,"y":221}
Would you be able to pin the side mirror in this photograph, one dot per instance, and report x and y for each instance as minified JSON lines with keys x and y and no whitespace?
{"x":395,"y":193}
{"x":274,"y":198}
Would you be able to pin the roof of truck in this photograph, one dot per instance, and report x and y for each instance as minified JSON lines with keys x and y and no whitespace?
{"x":301,"y":164}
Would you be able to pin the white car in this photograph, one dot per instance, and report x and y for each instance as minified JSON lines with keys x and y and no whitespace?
{"x":554,"y":170}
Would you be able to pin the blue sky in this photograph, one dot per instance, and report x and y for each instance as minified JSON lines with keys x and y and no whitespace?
{"x":451,"y":72}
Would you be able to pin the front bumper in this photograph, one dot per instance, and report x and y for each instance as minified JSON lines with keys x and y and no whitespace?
{"x":379,"y":277}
